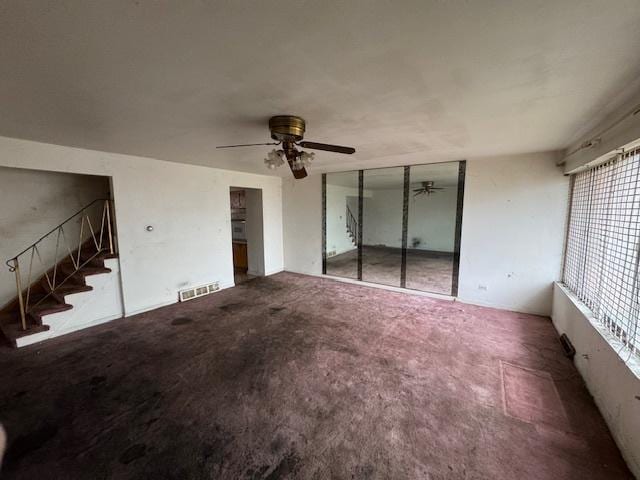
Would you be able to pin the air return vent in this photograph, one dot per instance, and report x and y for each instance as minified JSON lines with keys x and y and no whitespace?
{"x":195,"y":292}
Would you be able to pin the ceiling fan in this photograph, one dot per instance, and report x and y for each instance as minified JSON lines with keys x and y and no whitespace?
{"x":288,"y":130}
{"x":427,"y":188}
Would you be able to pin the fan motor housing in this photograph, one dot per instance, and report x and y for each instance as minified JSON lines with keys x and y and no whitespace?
{"x":287,"y":128}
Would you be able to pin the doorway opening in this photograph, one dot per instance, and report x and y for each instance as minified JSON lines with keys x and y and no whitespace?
{"x":246,"y":233}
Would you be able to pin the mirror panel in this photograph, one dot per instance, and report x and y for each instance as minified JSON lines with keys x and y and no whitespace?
{"x":431,"y":229}
{"x":383,"y":194}
{"x":408,"y":220}
{"x":342,"y":224}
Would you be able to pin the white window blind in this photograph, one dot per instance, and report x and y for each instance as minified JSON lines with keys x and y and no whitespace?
{"x":603,"y":238}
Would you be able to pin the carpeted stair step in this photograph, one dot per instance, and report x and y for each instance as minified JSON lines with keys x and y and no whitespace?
{"x":12,"y":330}
{"x":95,"y":259}
{"x":77,"y":277}
{"x":66,"y":288}
{"x":47,"y":307}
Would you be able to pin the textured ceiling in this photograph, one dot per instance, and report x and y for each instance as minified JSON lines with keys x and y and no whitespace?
{"x":442,"y":174}
{"x":403,"y":82}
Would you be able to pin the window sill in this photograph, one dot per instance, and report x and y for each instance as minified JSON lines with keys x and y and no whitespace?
{"x":629,"y":359}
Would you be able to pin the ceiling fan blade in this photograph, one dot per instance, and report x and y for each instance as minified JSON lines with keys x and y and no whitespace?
{"x":248,"y":145}
{"x":327,"y":147}
{"x":298,"y":174}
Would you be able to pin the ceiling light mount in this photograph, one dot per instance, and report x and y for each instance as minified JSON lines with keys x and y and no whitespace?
{"x":287,"y":128}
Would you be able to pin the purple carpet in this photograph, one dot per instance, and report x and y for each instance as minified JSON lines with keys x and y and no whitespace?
{"x":293,"y":376}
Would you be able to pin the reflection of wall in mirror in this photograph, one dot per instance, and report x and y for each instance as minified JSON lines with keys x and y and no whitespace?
{"x":432,"y":219}
{"x":338,"y":239}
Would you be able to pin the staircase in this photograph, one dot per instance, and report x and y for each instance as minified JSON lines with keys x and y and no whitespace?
{"x":352,"y":227}
{"x":64,"y":281}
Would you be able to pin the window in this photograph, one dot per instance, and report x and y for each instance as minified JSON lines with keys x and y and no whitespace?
{"x":603,"y":238}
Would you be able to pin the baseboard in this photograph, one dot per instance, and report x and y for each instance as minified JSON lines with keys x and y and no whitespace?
{"x":390,"y":288}
{"x":439,"y":296}
{"x":131,"y":313}
{"x":273,"y":272}
{"x":224,"y":286}
{"x":343,"y":252}
{"x":93,"y":323}
{"x":50,"y":334}
{"x":435,"y":253}
{"x":508,"y":308}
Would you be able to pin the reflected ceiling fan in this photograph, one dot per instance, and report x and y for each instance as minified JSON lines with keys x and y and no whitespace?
{"x":427,"y":188}
{"x":288,"y":130}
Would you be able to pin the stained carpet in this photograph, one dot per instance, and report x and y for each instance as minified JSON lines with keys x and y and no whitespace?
{"x":293,"y":376}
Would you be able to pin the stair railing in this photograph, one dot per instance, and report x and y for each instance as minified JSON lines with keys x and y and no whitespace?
{"x":88,"y":236}
{"x":352,"y":224}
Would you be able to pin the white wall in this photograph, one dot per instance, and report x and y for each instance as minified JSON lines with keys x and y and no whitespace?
{"x":432,"y":219}
{"x":302,"y":217}
{"x":34,"y":202}
{"x":614,"y":386}
{"x":512,"y":231}
{"x":382,"y":218}
{"x":254,"y":231}
{"x":187,"y":205}
{"x":337,"y":238}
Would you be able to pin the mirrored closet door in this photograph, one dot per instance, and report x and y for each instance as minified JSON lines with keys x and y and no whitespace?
{"x":382,"y":198}
{"x":342,"y":224}
{"x":397,"y":226}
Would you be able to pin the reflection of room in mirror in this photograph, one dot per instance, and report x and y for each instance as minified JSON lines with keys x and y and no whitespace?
{"x":431,"y":229}
{"x":382,"y":226}
{"x":342,"y":224}
{"x":431,"y":226}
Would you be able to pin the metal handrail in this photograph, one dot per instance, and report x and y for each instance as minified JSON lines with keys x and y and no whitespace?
{"x":55,"y":228}
{"x":352,"y":224}
{"x":74,"y":254}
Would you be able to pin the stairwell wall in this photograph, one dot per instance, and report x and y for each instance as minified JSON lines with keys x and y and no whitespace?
{"x":338,"y":239}
{"x":33,"y":202}
{"x":187,"y":206}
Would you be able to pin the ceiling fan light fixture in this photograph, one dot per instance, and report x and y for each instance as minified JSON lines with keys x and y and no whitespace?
{"x":306,"y":158}
{"x":274,"y":159}
{"x":288,"y":131}
{"x":302,"y":160}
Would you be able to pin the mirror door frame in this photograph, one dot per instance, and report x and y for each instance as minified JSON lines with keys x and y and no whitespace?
{"x":455,"y":278}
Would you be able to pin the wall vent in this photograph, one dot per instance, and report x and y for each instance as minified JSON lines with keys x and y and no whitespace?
{"x":332,"y":253}
{"x":195,"y":292}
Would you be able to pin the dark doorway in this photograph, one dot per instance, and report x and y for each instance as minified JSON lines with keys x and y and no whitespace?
{"x":246,"y":233}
